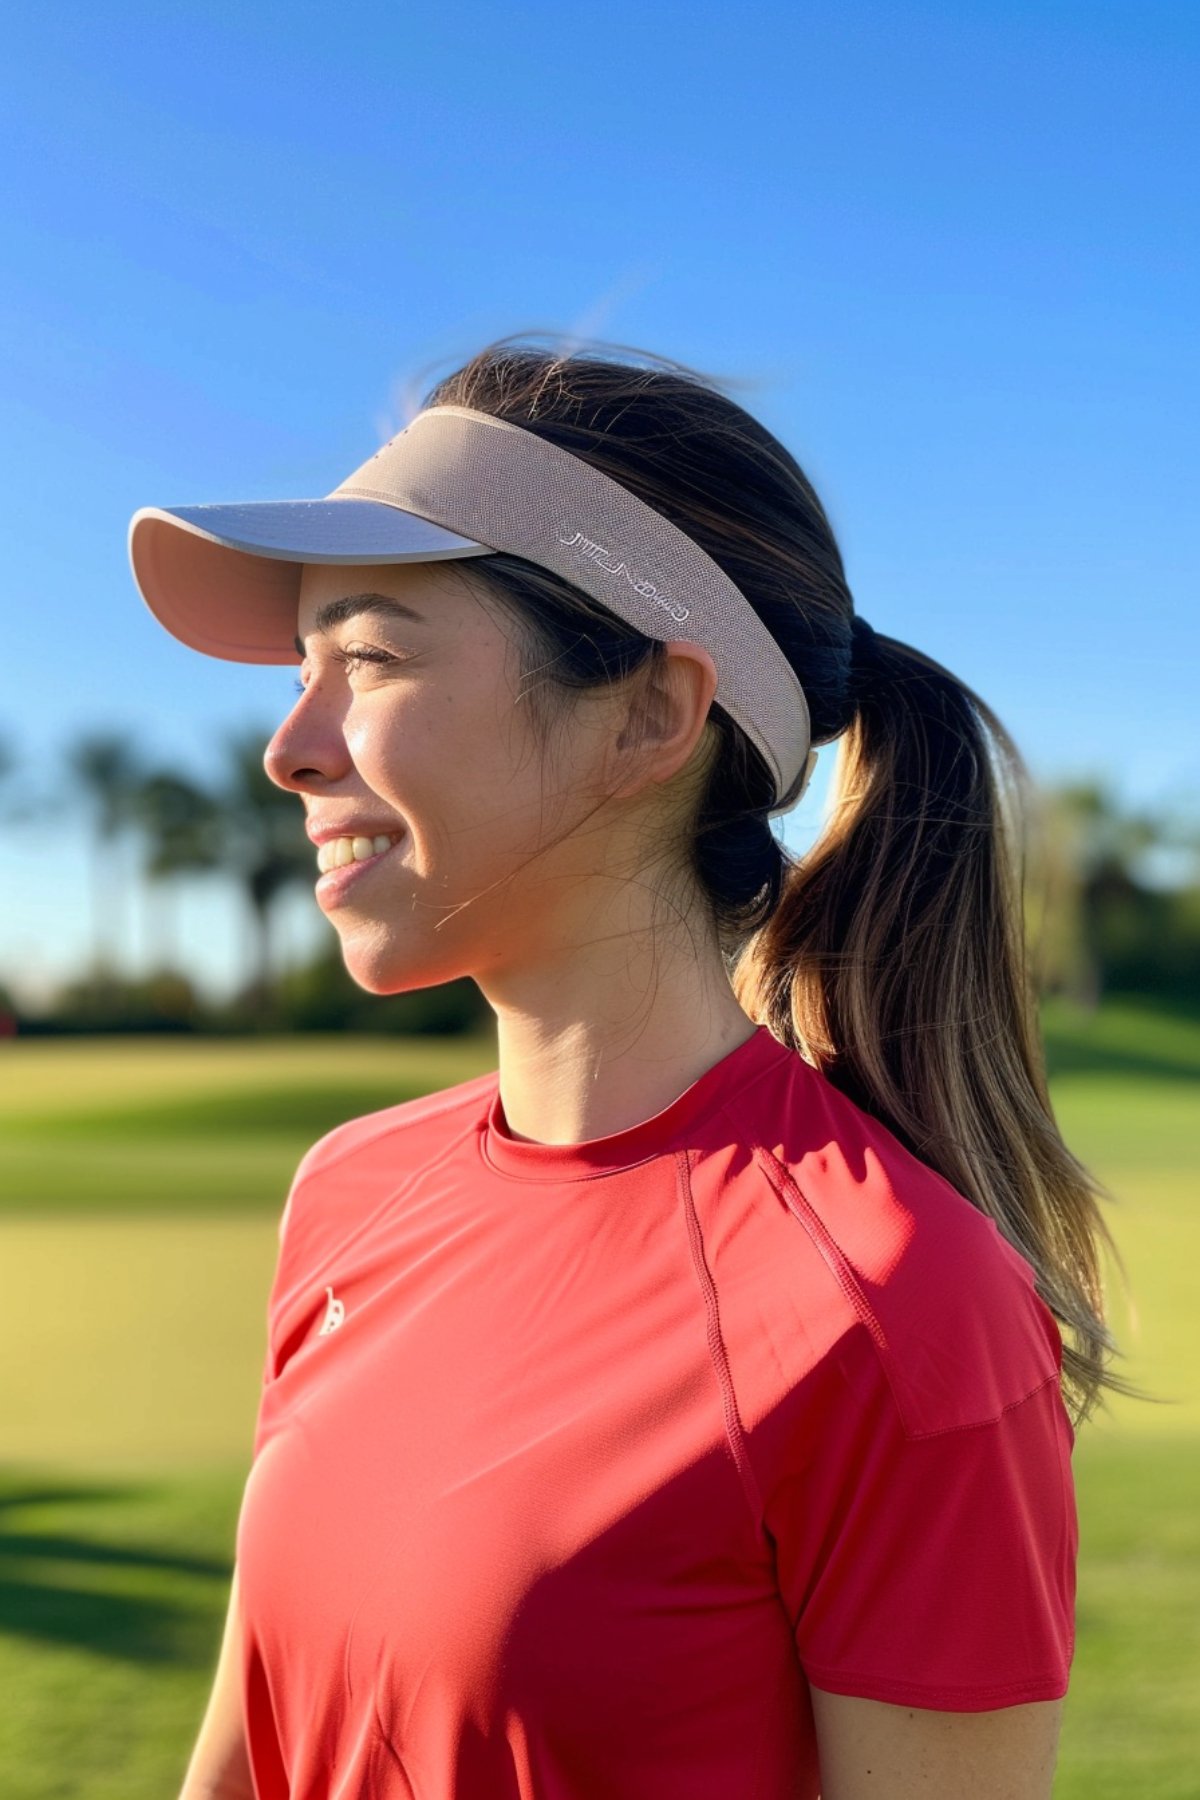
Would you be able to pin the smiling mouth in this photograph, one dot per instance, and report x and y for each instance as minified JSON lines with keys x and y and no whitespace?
{"x":341,"y":852}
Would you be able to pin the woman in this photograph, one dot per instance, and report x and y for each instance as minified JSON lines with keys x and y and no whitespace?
{"x":681,"y":1411}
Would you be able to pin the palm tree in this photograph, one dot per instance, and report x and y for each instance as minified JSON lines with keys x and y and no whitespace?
{"x":109,"y":772}
{"x":264,"y":843}
{"x":245,"y":827}
{"x":8,"y":762}
{"x":181,"y":826}
{"x":1087,"y":849}
{"x":31,"y":804}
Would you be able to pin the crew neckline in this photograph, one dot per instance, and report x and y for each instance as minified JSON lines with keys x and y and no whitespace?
{"x":532,"y":1161}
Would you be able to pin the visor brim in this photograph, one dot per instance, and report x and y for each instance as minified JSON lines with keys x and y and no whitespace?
{"x":225,"y":579}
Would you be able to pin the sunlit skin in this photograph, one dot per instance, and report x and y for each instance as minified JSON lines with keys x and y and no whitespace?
{"x":528,"y":872}
{"x":525,"y":870}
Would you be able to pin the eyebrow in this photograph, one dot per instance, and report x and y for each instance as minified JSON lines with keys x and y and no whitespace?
{"x":336,"y":612}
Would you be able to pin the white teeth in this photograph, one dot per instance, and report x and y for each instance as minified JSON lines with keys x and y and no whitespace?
{"x":337,"y":852}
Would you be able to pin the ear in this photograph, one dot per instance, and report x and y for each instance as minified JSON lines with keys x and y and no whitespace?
{"x":668,"y":717}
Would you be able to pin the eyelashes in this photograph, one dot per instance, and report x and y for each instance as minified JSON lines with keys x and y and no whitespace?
{"x":349,"y":659}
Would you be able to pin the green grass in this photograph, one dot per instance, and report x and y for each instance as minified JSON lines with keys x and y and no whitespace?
{"x":119,"y":1126}
{"x":1131,"y":1729}
{"x":1125,"y":1037}
{"x":139,"y":1343}
{"x":111,"y":1605}
{"x":142,"y":1188}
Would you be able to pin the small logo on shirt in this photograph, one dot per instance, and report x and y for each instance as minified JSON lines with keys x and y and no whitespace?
{"x":335,"y":1312}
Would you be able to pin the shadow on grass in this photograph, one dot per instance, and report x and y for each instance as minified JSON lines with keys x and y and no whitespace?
{"x":136,"y":1602}
{"x":299,"y":1107}
{"x":1101,"y":1047}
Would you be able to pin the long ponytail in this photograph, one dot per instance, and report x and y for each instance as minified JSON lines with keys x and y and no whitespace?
{"x":896,"y":962}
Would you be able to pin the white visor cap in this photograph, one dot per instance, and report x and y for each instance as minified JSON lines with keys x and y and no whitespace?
{"x":225,"y":579}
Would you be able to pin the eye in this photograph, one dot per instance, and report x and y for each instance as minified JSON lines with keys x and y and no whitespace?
{"x":349,"y":659}
{"x":364,"y":654}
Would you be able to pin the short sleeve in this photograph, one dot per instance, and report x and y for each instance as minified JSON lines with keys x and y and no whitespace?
{"x":281,"y":1278}
{"x":936,"y":1569}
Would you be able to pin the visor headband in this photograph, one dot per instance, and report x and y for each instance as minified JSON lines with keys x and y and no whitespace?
{"x":512,"y":490}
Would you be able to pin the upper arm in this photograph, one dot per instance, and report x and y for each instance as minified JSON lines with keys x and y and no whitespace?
{"x":871,"y":1750}
{"x":220,"y":1763}
{"x":937,"y":1571}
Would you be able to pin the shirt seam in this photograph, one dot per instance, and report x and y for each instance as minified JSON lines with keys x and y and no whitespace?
{"x":735,"y":1436}
{"x":832,"y":1254}
{"x":303,"y":1175}
{"x":433,"y":1112}
{"x":884,"y":1685}
{"x":1050,"y":1380}
{"x":835,"y":1259}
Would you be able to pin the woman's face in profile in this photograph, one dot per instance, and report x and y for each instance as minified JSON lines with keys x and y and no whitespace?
{"x":410,"y":725}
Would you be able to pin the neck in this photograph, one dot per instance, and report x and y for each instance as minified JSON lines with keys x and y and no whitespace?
{"x":595,"y":1040}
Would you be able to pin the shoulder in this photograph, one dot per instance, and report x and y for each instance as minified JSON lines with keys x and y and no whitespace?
{"x":871,"y":1260}
{"x":427,"y":1120}
{"x":391,"y":1144}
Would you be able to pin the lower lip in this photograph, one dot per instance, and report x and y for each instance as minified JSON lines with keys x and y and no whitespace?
{"x":335,"y":883}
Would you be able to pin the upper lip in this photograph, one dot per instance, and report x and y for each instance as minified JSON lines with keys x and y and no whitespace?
{"x":322,"y":830}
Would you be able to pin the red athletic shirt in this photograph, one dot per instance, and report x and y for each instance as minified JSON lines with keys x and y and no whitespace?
{"x":576,"y":1464}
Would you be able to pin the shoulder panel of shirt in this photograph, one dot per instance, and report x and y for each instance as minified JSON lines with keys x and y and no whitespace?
{"x":861,"y":1241}
{"x":393,"y":1133}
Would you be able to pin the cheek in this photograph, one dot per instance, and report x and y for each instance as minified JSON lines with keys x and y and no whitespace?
{"x":456,"y":757}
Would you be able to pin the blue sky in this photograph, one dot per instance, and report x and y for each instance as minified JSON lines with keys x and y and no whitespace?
{"x":949,"y":251}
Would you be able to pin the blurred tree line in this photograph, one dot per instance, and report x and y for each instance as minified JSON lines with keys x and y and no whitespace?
{"x":1096,"y":921}
{"x":237,"y":827}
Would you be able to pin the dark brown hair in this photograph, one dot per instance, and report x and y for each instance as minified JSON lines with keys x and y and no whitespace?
{"x":893,"y":954}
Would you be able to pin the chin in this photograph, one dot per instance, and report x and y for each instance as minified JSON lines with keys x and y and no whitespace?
{"x":382,"y":969}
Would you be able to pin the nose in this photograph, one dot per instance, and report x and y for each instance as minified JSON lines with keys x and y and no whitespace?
{"x":308,"y":751}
